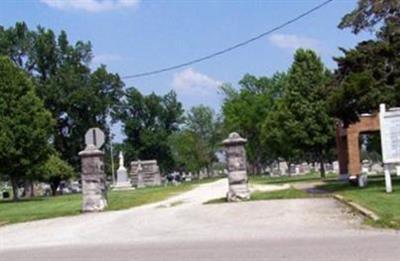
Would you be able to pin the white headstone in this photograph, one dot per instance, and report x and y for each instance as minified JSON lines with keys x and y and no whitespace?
{"x":94,"y":137}
{"x":123,"y":181}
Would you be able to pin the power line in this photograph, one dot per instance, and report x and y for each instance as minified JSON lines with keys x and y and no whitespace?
{"x":241,"y":44}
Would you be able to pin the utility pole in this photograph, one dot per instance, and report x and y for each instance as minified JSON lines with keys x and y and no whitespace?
{"x":112,"y":158}
{"x":111,"y":151}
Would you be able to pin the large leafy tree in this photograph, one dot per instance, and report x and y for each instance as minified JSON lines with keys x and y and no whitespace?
{"x":56,"y":170}
{"x":370,"y":13}
{"x":244,"y":111}
{"x":304,"y":98}
{"x":279,"y":132}
{"x":25,"y":125}
{"x":369,"y":74}
{"x":195,"y":146}
{"x":148,"y":121}
{"x":203,"y":121}
{"x":189,"y":151}
{"x":77,"y":97}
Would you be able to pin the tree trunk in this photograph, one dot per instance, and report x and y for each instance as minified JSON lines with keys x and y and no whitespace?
{"x":14,"y":184}
{"x":54,"y":185}
{"x":322,"y":167}
{"x":279,"y":167}
{"x":289,"y":164}
{"x":258,"y":167}
{"x":32,"y":189}
{"x":28,"y":189}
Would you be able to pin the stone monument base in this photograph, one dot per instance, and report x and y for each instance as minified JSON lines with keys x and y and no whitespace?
{"x":123,"y":182}
{"x":123,"y":186}
{"x":238,"y":192}
{"x":145,"y":174}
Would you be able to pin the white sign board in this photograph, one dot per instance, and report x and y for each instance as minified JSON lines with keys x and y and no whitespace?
{"x":94,"y":136}
{"x":390,"y":134}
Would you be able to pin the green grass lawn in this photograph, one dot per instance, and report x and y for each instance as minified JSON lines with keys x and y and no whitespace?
{"x":49,"y":207}
{"x":290,"y":193}
{"x":312,"y":176}
{"x":372,"y":197}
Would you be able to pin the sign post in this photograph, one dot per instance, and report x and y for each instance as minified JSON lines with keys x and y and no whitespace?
{"x":390,"y":140}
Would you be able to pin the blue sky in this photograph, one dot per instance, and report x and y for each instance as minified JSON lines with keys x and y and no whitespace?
{"x":132,"y":36}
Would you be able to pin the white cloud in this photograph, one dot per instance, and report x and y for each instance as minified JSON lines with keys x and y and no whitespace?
{"x":190,"y":82}
{"x":292,"y":42}
{"x":91,"y":5}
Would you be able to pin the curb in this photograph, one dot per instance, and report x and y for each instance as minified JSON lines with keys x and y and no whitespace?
{"x":365,"y":212}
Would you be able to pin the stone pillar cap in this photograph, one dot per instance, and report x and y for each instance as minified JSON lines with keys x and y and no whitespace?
{"x":234,"y":138}
{"x":90,"y":150}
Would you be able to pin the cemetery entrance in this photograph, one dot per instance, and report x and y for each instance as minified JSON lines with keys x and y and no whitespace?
{"x":348,"y":143}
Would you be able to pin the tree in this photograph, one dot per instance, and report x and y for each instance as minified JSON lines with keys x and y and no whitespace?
{"x":189,"y":151}
{"x":305,"y":99}
{"x":202,"y":121}
{"x":56,"y":170}
{"x":77,"y":97}
{"x":148,"y":121}
{"x":370,"y":13}
{"x":25,"y":125}
{"x":278,"y":134}
{"x":369,"y":74}
{"x":245,"y":110}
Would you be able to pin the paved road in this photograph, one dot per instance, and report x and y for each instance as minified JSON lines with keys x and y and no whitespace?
{"x":181,"y":228}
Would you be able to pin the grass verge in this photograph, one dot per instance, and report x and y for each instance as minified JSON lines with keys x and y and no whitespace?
{"x":312,"y":176}
{"x":67,"y":205}
{"x":290,"y":193}
{"x":372,"y":197}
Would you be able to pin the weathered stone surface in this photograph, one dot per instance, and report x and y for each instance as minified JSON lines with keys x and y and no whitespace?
{"x":122,"y":176}
{"x":94,"y":190}
{"x":237,"y":170}
{"x":145,"y":173}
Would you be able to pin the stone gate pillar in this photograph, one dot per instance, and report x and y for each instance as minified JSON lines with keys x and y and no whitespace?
{"x":94,"y":190}
{"x":237,"y":171}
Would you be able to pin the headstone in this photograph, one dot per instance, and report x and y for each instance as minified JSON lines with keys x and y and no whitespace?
{"x":237,"y":170}
{"x":363,"y":179}
{"x":390,"y":140}
{"x":283,"y":168}
{"x":189,"y":177}
{"x":335,"y":166}
{"x":365,"y":167}
{"x":145,"y":173}
{"x":203,"y":174}
{"x":94,"y":190}
{"x":123,"y":181}
{"x":328,"y":167}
